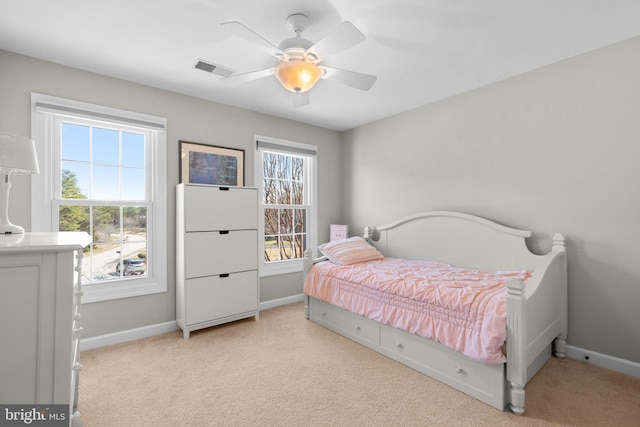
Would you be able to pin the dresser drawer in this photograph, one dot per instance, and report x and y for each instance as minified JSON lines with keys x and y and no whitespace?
{"x":451,"y":367}
{"x":209,"y":253}
{"x":215,"y":297}
{"x":220,"y":208}
{"x":345,"y":322}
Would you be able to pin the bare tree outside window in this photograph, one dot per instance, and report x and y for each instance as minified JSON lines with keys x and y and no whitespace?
{"x":285,"y":211}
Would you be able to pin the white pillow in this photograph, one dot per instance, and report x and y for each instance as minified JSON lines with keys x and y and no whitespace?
{"x":350,"y":251}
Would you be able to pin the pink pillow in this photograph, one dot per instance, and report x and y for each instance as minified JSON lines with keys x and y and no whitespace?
{"x":350,"y":251}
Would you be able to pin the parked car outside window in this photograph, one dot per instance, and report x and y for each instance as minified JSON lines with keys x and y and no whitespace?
{"x":132,"y":266}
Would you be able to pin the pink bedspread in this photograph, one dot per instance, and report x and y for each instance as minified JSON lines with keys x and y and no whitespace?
{"x":461,"y":308}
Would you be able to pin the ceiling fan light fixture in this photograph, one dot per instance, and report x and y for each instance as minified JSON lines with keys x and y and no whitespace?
{"x":298,"y":76}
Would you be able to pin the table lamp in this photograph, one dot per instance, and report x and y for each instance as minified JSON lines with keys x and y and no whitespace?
{"x":17,"y":155}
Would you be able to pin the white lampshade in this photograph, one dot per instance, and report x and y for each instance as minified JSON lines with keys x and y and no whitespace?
{"x":17,"y":155}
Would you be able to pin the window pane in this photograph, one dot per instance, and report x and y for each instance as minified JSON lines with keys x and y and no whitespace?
{"x":299,"y":245}
{"x":286,"y":246}
{"x":106,"y":224}
{"x":132,"y":149}
{"x":286,"y":221}
{"x":270,"y":222}
{"x":298,"y":168}
{"x":106,"y":183}
{"x":75,"y":142}
{"x":103,"y":261}
{"x":106,"y":146}
{"x":75,"y":180}
{"x":269,"y":191}
{"x":297,"y":195}
{"x":74,"y":218}
{"x":284,"y":192}
{"x":134,"y":223}
{"x":269,"y":161}
{"x":271,"y":249}
{"x":284,"y":166}
{"x":299,"y":225}
{"x":134,"y":260}
{"x":132,"y":184}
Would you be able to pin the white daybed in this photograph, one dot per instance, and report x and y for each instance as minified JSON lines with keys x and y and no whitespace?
{"x":536,"y":313}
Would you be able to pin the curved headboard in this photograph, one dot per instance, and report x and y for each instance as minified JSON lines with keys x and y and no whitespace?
{"x":456,"y":238}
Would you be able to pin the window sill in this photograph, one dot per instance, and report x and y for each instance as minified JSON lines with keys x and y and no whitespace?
{"x":120,"y":289}
{"x":280,"y":267}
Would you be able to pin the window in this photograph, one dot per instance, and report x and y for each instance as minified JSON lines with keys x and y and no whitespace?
{"x":102,"y":173}
{"x":285,"y":176}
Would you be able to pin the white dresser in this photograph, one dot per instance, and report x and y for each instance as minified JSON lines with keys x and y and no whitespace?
{"x":40,"y":295}
{"x":216,"y":255}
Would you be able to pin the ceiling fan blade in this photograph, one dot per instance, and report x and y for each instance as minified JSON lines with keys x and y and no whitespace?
{"x":247,"y":77}
{"x":300,"y":99}
{"x":246,"y":33}
{"x":349,"y":78}
{"x":341,"y":38}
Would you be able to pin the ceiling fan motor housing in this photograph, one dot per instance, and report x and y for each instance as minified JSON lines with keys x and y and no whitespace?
{"x":298,"y":22}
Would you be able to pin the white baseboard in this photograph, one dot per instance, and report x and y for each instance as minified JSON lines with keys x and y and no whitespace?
{"x":281,"y":301}
{"x":615,"y":364}
{"x":129,"y":335}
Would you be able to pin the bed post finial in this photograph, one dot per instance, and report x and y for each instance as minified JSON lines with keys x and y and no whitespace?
{"x":558,"y":243}
{"x":367,"y":234}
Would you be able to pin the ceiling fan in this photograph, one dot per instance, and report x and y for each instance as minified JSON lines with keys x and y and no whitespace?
{"x":301,"y":62}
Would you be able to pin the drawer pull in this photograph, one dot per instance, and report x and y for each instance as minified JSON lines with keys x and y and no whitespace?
{"x":223,"y":188}
{"x":77,"y":367}
{"x":78,"y":330}
{"x":224,"y":275}
{"x":324,"y":314}
{"x":223,"y":231}
{"x":78,"y":293}
{"x":459,"y":370}
{"x":399,"y":346}
{"x":357,"y":327}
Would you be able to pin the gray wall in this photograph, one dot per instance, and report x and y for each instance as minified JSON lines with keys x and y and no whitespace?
{"x":188,"y":119}
{"x":552,"y":150}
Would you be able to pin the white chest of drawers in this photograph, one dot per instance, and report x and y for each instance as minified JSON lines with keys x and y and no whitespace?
{"x":216,"y":255}
{"x":40,"y":279}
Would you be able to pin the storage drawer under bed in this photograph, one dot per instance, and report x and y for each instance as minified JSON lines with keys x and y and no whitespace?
{"x":344,"y":322}
{"x":484,"y":382}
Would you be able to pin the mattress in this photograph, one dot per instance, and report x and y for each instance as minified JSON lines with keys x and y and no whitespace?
{"x":461,"y":308}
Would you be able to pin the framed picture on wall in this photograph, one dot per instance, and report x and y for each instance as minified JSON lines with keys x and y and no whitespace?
{"x":210,"y":164}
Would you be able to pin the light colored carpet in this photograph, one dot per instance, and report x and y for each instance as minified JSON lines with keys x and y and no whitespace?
{"x":284,"y":370}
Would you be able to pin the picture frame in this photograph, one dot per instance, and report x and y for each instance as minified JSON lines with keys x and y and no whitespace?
{"x":211,"y":164}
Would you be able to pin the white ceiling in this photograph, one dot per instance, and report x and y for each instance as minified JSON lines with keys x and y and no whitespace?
{"x":420,"y":50}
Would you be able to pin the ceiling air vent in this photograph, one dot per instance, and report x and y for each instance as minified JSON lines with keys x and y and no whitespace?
{"x":214,"y":68}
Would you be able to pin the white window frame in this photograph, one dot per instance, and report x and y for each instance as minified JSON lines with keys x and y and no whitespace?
{"x":294,"y":148}
{"x":45,"y":110}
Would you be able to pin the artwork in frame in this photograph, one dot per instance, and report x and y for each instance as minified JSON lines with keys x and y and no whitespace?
{"x":210,"y":164}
